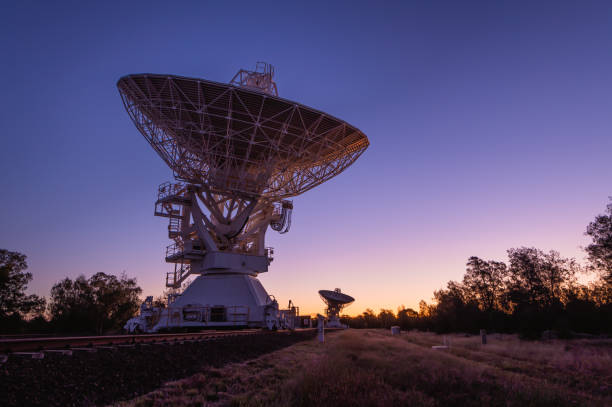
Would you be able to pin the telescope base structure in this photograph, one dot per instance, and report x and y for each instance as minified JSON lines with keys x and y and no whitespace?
{"x":335,"y":301}
{"x":334,"y":322}
{"x":224,"y":300}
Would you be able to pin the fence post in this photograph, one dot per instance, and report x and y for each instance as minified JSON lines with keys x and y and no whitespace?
{"x":483,"y":336}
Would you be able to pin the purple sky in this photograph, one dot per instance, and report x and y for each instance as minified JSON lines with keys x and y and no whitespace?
{"x":490,"y":126}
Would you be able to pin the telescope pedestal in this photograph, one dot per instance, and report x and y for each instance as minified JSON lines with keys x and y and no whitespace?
{"x":334,"y":322}
{"x":231,"y":298}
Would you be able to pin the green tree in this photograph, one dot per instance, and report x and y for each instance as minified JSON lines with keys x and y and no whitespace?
{"x":600,"y":250}
{"x":14,"y":303}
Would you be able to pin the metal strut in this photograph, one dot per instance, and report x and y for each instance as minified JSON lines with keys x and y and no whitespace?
{"x":283,"y":223}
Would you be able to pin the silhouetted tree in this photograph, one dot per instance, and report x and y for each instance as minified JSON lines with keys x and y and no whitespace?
{"x":370,"y":320}
{"x":15,"y":305}
{"x":537,"y":280}
{"x":484,"y":283}
{"x":538,"y":277}
{"x":102,"y":302}
{"x":535,"y":291}
{"x":71,"y":305}
{"x":407,"y":318}
{"x":386,"y":318}
{"x":600,"y":250}
{"x":601,"y":293}
{"x":454,"y":311}
{"x":581,"y":309}
{"x":424,"y":309}
{"x":115,"y":300}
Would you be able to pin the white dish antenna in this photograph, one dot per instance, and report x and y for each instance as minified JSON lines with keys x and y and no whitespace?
{"x":336,"y":300}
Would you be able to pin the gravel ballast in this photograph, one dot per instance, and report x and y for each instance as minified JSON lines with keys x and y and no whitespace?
{"x":109,"y":375}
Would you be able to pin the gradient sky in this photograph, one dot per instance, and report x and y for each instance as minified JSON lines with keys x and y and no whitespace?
{"x":490,"y":126}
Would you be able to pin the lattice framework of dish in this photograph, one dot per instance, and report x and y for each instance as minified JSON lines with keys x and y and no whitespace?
{"x":236,"y":140}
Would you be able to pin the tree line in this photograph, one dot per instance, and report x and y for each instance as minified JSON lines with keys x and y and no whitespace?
{"x":96,"y":305}
{"x":534,"y":291}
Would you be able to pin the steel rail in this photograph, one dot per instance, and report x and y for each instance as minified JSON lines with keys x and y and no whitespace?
{"x":68,"y":342}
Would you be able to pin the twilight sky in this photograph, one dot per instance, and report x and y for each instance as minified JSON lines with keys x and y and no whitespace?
{"x":490,"y":126}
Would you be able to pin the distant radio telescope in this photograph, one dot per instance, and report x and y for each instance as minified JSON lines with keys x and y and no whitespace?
{"x":238,"y":152}
{"x":335,"y":301}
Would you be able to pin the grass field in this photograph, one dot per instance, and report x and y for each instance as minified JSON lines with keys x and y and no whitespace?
{"x":372,"y":368}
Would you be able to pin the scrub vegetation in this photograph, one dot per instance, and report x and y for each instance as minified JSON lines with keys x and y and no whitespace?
{"x":373,"y":368}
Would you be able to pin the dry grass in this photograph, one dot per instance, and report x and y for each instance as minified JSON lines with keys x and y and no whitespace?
{"x":371,"y":368}
{"x":579,"y":364}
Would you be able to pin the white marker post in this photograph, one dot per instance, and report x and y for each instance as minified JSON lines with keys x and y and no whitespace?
{"x":321,"y":327}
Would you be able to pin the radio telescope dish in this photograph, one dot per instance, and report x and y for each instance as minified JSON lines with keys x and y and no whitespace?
{"x":336,"y":301}
{"x":239,"y":137}
{"x":238,"y":152}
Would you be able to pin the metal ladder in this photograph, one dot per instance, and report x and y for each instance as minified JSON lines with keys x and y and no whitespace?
{"x":174,"y":224}
{"x":175,"y":278}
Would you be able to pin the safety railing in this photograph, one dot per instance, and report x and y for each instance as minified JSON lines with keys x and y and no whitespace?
{"x":170,"y":198}
{"x":181,"y":249}
{"x":174,"y":250}
{"x":168,"y":189}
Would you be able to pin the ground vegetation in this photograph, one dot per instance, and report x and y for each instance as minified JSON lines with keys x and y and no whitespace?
{"x":373,"y":368}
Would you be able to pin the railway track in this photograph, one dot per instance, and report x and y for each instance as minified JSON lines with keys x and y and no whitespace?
{"x":73,"y":371}
{"x":40,"y":344}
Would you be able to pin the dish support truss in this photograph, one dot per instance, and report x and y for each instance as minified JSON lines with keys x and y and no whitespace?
{"x":228,"y":236}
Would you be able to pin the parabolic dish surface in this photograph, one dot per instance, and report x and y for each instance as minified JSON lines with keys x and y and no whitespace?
{"x":336,"y":297}
{"x":236,"y":140}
